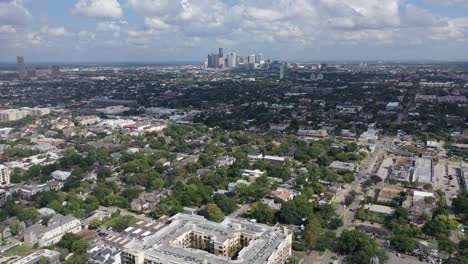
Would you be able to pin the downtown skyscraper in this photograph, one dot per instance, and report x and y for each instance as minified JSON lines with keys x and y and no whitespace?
{"x":21,"y":67}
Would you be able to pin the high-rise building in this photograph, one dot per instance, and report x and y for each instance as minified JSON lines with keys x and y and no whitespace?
{"x":21,"y":68}
{"x":221,"y":53}
{"x":215,"y":58}
{"x":251,"y":58}
{"x":5,"y":173}
{"x":258,"y":58}
{"x":232,"y":60}
{"x":283,"y":71}
{"x":55,"y":70}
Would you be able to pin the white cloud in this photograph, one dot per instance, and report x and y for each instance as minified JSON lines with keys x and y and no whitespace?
{"x":55,"y":31}
{"x":7,"y":29}
{"x":13,"y":12}
{"x":98,"y":8}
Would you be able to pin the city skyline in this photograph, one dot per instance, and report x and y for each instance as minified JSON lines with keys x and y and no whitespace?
{"x":152,"y":31}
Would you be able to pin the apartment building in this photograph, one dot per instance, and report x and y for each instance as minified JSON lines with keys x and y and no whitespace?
{"x":52,"y":233}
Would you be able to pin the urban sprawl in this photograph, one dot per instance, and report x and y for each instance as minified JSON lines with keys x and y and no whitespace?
{"x":234,"y":160}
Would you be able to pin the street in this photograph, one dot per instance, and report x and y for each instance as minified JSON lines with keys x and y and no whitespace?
{"x":369,"y":166}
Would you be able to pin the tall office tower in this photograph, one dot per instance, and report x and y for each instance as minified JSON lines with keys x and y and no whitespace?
{"x":221,"y":53}
{"x":283,"y":71}
{"x":221,"y":63}
{"x":215,"y":58}
{"x":251,"y":58}
{"x":258,"y":58}
{"x":21,"y":68}
{"x":55,"y":70}
{"x":232,"y":60}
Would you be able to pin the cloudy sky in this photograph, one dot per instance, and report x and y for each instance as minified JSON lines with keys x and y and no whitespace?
{"x":186,"y":30}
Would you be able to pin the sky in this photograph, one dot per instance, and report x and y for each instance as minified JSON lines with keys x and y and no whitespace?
{"x":187,"y":30}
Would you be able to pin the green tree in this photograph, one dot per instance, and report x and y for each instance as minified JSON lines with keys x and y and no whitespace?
{"x":262,"y":213}
{"x":312,"y":233}
{"x":67,"y":241}
{"x":359,"y":247}
{"x":94,"y":224}
{"x":225,"y":203}
{"x":15,"y":228}
{"x":79,"y":246}
{"x":214,"y":213}
{"x":29,"y":216}
{"x":404,"y":244}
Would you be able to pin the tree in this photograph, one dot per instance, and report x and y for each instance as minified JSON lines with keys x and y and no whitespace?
{"x":67,"y":241}
{"x":335,"y":223}
{"x":94,"y":224}
{"x":225,"y":203}
{"x":15,"y":228}
{"x":359,"y":247}
{"x":262,"y":213}
{"x":29,"y":216}
{"x":436,"y":228}
{"x":461,"y":204}
{"x":312,"y":233}
{"x":167,"y":206}
{"x":447,"y":245}
{"x":404,"y":244}
{"x":79,"y":246}
{"x":214,"y":213}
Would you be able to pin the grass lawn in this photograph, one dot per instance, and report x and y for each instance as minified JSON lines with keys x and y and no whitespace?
{"x":18,"y":251}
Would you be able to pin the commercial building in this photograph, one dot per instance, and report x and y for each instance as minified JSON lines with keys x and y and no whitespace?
{"x":12,"y":115}
{"x":283,"y":71}
{"x":423,"y":171}
{"x":52,"y":233}
{"x":87,"y":120}
{"x":392,"y":106}
{"x":193,"y":239}
{"x":5,"y":173}
{"x":342,"y":166}
{"x":464,"y":177}
{"x":21,"y":67}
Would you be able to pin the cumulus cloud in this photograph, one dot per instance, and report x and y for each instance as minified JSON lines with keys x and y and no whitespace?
{"x":278,"y":27}
{"x":13,"y":12}
{"x":98,"y":8}
{"x":55,"y":31}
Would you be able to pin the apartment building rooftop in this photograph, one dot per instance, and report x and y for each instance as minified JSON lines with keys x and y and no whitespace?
{"x":169,"y":244}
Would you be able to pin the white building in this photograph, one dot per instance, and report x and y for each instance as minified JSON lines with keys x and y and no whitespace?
{"x":52,"y":233}
{"x":12,"y":115}
{"x":5,"y":173}
{"x":60,"y":175}
{"x":393,"y":106}
{"x":232,"y":60}
{"x":193,"y":239}
{"x":87,"y":120}
{"x":423,"y":171}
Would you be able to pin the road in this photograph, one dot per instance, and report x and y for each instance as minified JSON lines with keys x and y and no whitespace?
{"x":368,"y":168}
{"x":240,"y":210}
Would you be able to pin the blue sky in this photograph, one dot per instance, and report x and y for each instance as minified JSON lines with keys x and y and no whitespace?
{"x":186,"y":30}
